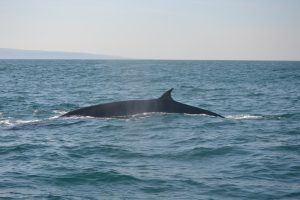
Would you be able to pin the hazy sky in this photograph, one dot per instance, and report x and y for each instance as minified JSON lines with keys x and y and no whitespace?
{"x":163,"y":29}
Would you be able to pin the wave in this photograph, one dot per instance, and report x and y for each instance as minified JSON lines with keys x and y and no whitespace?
{"x":207,"y":152}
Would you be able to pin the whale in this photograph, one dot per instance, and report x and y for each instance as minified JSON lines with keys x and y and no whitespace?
{"x":164,"y":104}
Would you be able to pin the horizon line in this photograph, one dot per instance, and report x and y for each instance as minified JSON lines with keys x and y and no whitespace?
{"x":153,"y":59}
{"x":114,"y":57}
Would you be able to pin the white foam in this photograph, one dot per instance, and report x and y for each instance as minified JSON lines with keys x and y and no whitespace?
{"x":195,"y":114}
{"x":5,"y":122}
{"x":54,"y":117}
{"x":60,"y":112}
{"x":13,"y":122}
{"x":73,"y":117}
{"x":243,"y":117}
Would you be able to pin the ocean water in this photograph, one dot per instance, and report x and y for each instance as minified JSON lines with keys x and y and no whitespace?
{"x":254,"y":153}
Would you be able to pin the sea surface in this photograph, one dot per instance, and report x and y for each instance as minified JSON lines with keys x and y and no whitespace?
{"x":254,"y":153}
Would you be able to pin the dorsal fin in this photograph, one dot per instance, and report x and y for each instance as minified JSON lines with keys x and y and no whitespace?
{"x":167,"y":95}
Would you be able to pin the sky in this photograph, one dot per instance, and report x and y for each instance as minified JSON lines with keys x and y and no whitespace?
{"x":156,"y":29}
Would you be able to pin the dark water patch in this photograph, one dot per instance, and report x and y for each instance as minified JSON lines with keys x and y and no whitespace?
{"x":155,"y":189}
{"x":289,"y":148}
{"x":94,"y":177}
{"x":292,"y":195}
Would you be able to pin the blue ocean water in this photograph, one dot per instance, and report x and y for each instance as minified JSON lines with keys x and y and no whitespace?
{"x":254,"y":153}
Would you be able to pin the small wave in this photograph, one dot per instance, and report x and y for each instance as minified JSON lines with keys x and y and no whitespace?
{"x":206,"y":152}
{"x":107,"y":150}
{"x":20,"y":148}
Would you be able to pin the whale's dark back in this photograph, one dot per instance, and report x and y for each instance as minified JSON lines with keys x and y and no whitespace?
{"x":164,"y":104}
{"x":115,"y":109}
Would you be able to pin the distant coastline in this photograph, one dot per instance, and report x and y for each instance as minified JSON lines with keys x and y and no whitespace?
{"x":8,"y":53}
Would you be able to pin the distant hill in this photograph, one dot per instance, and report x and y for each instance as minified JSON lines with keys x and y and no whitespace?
{"x":6,"y":53}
